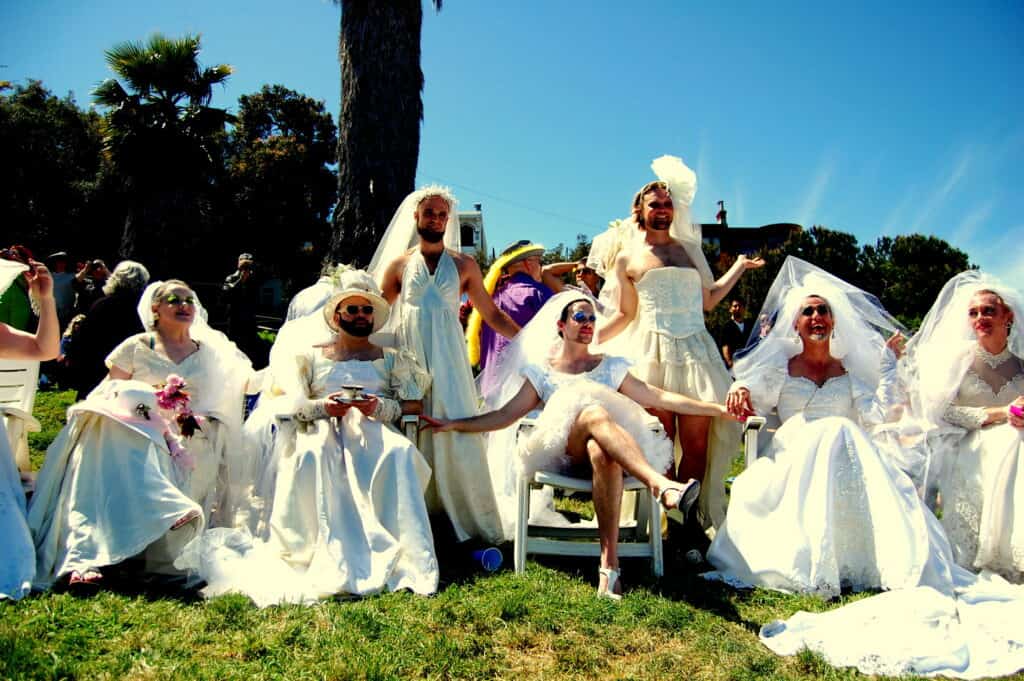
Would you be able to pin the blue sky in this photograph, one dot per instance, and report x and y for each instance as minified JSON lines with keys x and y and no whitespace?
{"x":875,"y":118}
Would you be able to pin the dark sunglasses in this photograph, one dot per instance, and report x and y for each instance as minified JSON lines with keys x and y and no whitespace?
{"x":580,"y":317}
{"x":175,"y":299}
{"x":983,"y":311}
{"x":353,"y":310}
{"x":822,"y":310}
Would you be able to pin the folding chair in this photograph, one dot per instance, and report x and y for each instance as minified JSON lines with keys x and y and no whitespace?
{"x":19,"y":380}
{"x":638,"y":538}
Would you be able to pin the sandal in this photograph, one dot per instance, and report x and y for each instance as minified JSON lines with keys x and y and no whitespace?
{"x":686,"y":497}
{"x":612,"y":576}
{"x":185,"y":519}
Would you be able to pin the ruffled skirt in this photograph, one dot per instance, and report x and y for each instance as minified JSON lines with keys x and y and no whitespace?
{"x":544,"y":447}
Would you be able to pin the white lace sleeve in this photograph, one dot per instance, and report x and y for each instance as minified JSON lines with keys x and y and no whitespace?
{"x":970,"y":418}
{"x":618,"y":367}
{"x":764,"y":388}
{"x":123,"y":356}
{"x":878,"y":406}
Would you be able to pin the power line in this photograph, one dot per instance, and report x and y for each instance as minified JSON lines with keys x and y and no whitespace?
{"x":588,"y":225}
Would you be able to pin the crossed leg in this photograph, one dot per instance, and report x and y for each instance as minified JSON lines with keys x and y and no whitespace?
{"x":610,"y":450}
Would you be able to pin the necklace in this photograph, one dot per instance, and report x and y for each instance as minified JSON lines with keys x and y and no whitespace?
{"x":992,"y":360}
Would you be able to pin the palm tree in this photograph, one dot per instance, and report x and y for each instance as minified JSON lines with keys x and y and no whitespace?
{"x":379,"y":124}
{"x":163,"y":140}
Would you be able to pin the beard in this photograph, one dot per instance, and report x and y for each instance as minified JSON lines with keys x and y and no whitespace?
{"x":660,"y":224}
{"x":429,"y":235}
{"x":360,"y":328}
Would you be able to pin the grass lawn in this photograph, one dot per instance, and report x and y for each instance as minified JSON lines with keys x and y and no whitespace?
{"x":546,"y":624}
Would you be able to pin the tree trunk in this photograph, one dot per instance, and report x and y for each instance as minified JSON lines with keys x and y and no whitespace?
{"x":379,"y":123}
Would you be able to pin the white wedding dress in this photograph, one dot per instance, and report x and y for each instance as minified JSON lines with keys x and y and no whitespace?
{"x":19,"y":562}
{"x":673,"y":350}
{"x":982,"y":481}
{"x":832,"y":511}
{"x":566,"y":395}
{"x":428,"y":326}
{"x":343,"y":509}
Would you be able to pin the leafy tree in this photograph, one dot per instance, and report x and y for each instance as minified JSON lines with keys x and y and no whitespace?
{"x":51,"y":162}
{"x":379,"y":124}
{"x":282,"y":185}
{"x":165,"y":143}
{"x":907,"y":273}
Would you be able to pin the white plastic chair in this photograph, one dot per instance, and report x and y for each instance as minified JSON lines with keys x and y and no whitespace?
{"x":640,"y":537}
{"x":19,"y":380}
{"x":752,"y":429}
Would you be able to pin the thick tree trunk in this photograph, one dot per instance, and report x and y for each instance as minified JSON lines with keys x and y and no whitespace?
{"x":379,"y":124}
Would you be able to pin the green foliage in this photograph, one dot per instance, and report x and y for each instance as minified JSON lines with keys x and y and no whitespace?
{"x":282,"y":188}
{"x":51,"y":162}
{"x":166,"y":147}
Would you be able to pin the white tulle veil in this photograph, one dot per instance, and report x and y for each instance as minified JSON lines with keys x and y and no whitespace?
{"x":941,"y":351}
{"x":401,"y":233}
{"x":861,"y":324}
{"x":231,"y":372}
{"x":9,"y":271}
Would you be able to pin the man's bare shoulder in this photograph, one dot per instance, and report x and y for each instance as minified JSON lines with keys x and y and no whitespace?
{"x":463,"y":263}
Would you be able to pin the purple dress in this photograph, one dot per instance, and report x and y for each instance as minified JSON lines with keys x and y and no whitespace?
{"x":521,"y":297}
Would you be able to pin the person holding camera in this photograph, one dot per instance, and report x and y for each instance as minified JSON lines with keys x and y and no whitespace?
{"x":241,"y":293}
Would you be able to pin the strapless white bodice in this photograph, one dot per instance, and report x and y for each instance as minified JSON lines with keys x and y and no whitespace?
{"x":671,"y":301}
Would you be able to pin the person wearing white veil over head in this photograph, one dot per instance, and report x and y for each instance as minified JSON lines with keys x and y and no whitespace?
{"x":18,"y":564}
{"x":659,"y":285}
{"x":339,"y":505}
{"x":831,"y":510}
{"x":593,"y":419}
{"x":113,"y":485}
{"x":968,"y":372}
{"x":423,"y":274}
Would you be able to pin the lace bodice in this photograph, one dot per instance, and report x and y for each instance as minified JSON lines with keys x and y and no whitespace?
{"x":610,"y":372}
{"x":842,"y":395}
{"x":671,"y":301}
{"x":420,"y":288}
{"x":137,"y":356}
{"x":990,"y":381}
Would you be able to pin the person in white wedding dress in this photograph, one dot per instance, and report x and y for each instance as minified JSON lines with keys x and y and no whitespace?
{"x":969,"y":361}
{"x":341,"y":506}
{"x":659,"y":286}
{"x":830,"y":510}
{"x":111,"y":489}
{"x":592,"y":417}
{"x":18,"y":563}
{"x":423,"y":273}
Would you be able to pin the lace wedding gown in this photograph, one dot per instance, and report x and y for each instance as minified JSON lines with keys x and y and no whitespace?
{"x":982,"y":484}
{"x":673,"y":350}
{"x":19,"y":562}
{"x":830,"y":511}
{"x":344,"y":513}
{"x":429,"y":328}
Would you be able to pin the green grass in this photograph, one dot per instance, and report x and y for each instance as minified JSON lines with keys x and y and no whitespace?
{"x":545,"y":624}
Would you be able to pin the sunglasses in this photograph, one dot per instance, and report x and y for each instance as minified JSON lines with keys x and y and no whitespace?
{"x":983,"y":311}
{"x":175,"y":299}
{"x":353,"y":310}
{"x":580,"y":317}
{"x":822,"y":310}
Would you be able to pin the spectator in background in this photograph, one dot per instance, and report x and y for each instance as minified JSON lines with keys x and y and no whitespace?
{"x":109,"y":321}
{"x":241,"y":295}
{"x":733,"y":334}
{"x":15,"y":306}
{"x":88,"y":284}
{"x":63,"y":286}
{"x":587,"y":278}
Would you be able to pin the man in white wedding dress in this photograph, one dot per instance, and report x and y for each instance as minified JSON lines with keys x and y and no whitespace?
{"x":339,"y":503}
{"x":663,"y":285}
{"x":423,"y":274}
{"x":592,"y":420}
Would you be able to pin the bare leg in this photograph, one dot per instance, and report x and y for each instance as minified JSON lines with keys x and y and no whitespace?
{"x":594,"y":423}
{"x":693,"y":438}
{"x":607,"y":497}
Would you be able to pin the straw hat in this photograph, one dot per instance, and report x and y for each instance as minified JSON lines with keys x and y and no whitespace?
{"x":130,"y":403}
{"x":353,"y":283}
